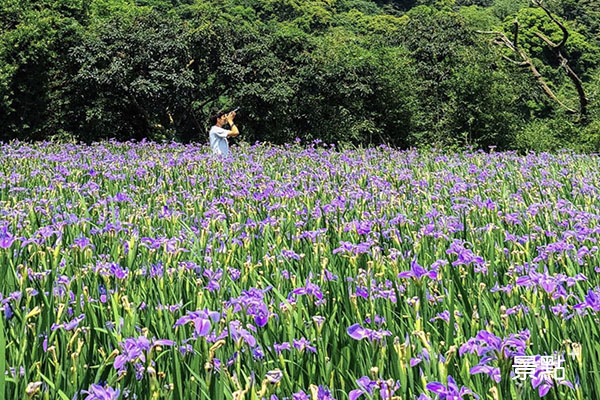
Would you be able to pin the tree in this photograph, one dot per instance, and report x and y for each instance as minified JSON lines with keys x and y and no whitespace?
{"x":135,"y":79}
{"x":555,"y":46}
{"x":33,"y":49}
{"x":460,"y":99}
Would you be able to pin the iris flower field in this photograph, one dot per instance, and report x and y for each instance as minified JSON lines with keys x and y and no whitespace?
{"x":140,"y":270}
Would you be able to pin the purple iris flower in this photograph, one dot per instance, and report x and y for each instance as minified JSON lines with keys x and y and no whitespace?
{"x":69,"y":325}
{"x":301,"y":395}
{"x":493,"y":372}
{"x":6,"y":239}
{"x":201,"y":320}
{"x":238,"y":333}
{"x":253,"y":303}
{"x":357,"y":332}
{"x":290,"y":254}
{"x":493,"y":348}
{"x":366,"y":385}
{"x":302,"y":344}
{"x":486,"y":342}
{"x":417,"y":272}
{"x":465,"y":256}
{"x":132,"y":350}
{"x":280,"y":347}
{"x":308,"y":289}
{"x":324,"y":393}
{"x":444,"y":316}
{"x":82,"y":242}
{"x":450,"y":391}
{"x":262,"y":316}
{"x":163,"y":342}
{"x":592,"y":300}
{"x":543,"y":381}
{"x":97,"y":392}
{"x":353,"y":249}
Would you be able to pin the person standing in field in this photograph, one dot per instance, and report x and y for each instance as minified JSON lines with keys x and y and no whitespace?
{"x":218,"y":136}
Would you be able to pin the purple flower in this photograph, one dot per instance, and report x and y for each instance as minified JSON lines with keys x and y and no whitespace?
{"x":444,"y":316}
{"x":415,"y":361}
{"x":82,"y":242}
{"x":280,"y":347}
{"x":238,"y":333}
{"x":6,"y":239}
{"x":543,"y":381}
{"x":163,"y":342}
{"x":132,"y":350}
{"x":486,"y":342}
{"x":323,"y":393}
{"x":366,"y":385}
{"x":97,"y":392}
{"x":302,"y":344}
{"x":493,"y":372}
{"x":465,"y":256}
{"x":450,"y":391}
{"x":592,"y":300}
{"x":252,"y":302}
{"x":417,"y":272}
{"x":69,"y":325}
{"x":357,"y":332}
{"x":308,"y":289}
{"x":290,"y":254}
{"x":301,"y":395}
{"x":201,"y":320}
{"x":354,"y":249}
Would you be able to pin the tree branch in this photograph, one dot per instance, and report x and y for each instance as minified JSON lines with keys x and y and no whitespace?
{"x":516,"y":33}
{"x":561,"y":26}
{"x":556,"y":48}
{"x":501,"y":38}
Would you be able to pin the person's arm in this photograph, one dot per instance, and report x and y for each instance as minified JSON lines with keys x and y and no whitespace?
{"x":234,"y":129}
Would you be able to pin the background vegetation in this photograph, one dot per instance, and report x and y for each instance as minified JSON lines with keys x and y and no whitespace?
{"x":405,"y":73}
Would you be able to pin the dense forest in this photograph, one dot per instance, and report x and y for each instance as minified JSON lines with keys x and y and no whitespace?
{"x":514,"y":74}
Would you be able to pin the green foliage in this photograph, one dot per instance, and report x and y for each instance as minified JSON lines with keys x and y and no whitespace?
{"x":505,"y":8}
{"x":461,"y":96}
{"x":135,"y":79}
{"x":32,"y":58}
{"x":585,"y":14}
{"x":478,"y":18}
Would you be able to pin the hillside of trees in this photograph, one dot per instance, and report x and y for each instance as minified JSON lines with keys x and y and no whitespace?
{"x":514,"y":74}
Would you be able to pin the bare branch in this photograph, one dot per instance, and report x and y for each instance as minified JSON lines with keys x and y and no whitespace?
{"x":518,"y":63}
{"x":546,"y":40}
{"x":516,"y":32}
{"x":583,"y":100}
{"x":561,"y":26}
{"x":502,"y":39}
{"x":556,"y":48}
{"x":490,"y":32}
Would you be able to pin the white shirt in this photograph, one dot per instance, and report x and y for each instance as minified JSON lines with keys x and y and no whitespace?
{"x":218,"y":140}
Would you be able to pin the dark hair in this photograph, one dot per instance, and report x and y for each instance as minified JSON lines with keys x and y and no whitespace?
{"x":215,"y":115}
